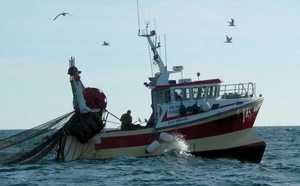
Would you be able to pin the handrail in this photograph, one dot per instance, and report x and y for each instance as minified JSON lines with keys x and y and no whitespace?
{"x":240,"y":90}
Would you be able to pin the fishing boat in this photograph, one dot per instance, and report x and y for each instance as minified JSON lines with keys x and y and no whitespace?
{"x":214,"y":119}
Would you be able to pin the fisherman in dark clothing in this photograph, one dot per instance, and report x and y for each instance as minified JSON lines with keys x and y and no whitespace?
{"x":127,"y":124}
{"x":126,"y":120}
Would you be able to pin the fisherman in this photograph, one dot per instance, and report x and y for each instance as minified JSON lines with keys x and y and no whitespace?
{"x":126,"y":120}
{"x":177,"y":96}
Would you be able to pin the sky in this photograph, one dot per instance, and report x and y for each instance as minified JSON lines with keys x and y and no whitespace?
{"x":34,"y":53}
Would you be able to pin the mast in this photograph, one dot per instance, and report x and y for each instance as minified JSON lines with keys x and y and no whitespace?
{"x":77,"y":88}
{"x":161,"y":78}
{"x":156,"y":56}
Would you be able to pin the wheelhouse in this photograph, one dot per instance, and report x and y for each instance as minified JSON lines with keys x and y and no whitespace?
{"x":190,"y":93}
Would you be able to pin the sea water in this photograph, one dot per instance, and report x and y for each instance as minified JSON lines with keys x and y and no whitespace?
{"x":280,"y":166}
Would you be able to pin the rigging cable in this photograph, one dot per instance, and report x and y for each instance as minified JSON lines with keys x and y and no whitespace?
{"x":166,"y":49}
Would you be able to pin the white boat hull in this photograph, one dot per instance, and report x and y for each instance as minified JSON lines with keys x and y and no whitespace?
{"x":227,"y":135}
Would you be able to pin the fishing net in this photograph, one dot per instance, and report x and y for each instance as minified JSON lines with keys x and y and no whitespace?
{"x":31,"y":145}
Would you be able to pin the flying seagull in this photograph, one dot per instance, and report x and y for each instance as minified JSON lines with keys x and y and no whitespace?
{"x":105,"y":43}
{"x":63,"y":14}
{"x":228,"y":39}
{"x":231,"y":23}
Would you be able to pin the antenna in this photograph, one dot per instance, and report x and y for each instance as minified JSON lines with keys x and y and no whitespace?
{"x":165,"y":49}
{"x":138,"y":13}
{"x":159,"y":44}
{"x":154,"y":24}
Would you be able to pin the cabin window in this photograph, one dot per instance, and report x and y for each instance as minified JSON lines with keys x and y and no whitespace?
{"x":159,"y":96}
{"x":211,"y":91}
{"x":186,"y":94}
{"x":178,"y":94}
{"x":199,"y":92}
{"x":182,"y":94}
{"x":162,"y":96}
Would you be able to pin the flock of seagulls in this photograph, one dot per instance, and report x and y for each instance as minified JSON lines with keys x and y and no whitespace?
{"x":65,"y":13}
{"x":228,"y":39}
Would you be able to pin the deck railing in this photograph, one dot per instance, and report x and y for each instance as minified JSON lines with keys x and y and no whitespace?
{"x":241,"y":90}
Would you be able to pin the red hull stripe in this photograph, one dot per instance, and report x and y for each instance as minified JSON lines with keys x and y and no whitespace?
{"x":218,"y":127}
{"x":125,"y":141}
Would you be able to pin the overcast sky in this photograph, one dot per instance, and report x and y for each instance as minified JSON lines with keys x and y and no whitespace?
{"x":34,"y":53}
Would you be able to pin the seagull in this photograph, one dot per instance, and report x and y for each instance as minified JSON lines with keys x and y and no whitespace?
{"x":231,"y":23}
{"x":105,"y":43}
{"x":63,"y":14}
{"x":228,"y":39}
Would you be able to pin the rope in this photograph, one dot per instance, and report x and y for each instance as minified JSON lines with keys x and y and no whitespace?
{"x":113,"y":122}
{"x":112,"y":114}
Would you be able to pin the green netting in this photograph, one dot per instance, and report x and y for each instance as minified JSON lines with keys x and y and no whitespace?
{"x":31,"y":145}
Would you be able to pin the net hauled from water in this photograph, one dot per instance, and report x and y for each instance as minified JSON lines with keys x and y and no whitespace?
{"x":31,"y":145}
